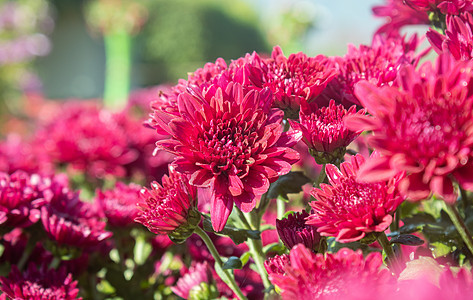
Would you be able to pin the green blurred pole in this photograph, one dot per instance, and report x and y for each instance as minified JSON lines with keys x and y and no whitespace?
{"x":117,"y":68}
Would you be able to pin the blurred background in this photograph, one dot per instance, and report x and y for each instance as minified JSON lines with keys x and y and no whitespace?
{"x":63,"y":49}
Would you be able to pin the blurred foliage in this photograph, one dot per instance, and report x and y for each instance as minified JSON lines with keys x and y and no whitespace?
{"x":182,"y":35}
{"x":23,"y":25}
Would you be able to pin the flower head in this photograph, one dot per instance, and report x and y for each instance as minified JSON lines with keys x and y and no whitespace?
{"x":170,"y":208}
{"x":21,"y":198}
{"x":229,"y":140}
{"x":342,"y":275}
{"x":72,"y":223}
{"x":423,"y":128}
{"x":293,"y":230}
{"x":295,"y":79}
{"x":398,"y":14}
{"x":119,"y":204}
{"x":39,"y":284}
{"x":277,"y":264}
{"x":196,"y":283}
{"x":350,"y":209}
{"x":378,"y":63}
{"x":452,"y":7}
{"x":323,"y":130}
{"x":458,"y":38}
{"x":87,"y":138}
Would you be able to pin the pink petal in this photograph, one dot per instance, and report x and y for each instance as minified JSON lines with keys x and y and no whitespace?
{"x":376,"y":169}
{"x":443,"y":187}
{"x":221,"y":204}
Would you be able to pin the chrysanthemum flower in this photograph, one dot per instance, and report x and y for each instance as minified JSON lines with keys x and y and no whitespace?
{"x":277,"y":264}
{"x":19,"y":154}
{"x":424,"y":128}
{"x":293,"y":230}
{"x":230,"y":141}
{"x":39,"y":284}
{"x":378,"y":63}
{"x":349,"y":209}
{"x":295,"y":79}
{"x":119,"y":204}
{"x":452,"y":7}
{"x":170,"y":208}
{"x":72,"y":223}
{"x":342,"y":275}
{"x":398,"y":14}
{"x":458,"y":38}
{"x":323,"y":130}
{"x":196,"y":282}
{"x":21,"y":198}
{"x":87,"y":138}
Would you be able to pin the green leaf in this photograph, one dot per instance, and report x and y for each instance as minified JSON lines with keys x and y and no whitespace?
{"x":440,"y":249}
{"x":290,"y":183}
{"x":407,"y":239}
{"x":245,"y":257}
{"x":274,"y":247}
{"x":237,"y":235}
{"x":142,"y":250}
{"x":232,"y":262}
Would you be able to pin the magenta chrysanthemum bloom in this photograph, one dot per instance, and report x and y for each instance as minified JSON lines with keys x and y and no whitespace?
{"x":170,"y":208}
{"x":72,"y":223}
{"x":39,"y":284}
{"x":293,"y":230}
{"x":342,"y":275}
{"x":424,"y":128}
{"x":378,"y":63}
{"x":452,"y":7}
{"x":87,"y":138}
{"x":230,"y":141}
{"x":458,"y":38}
{"x":119,"y":204}
{"x":196,"y":282}
{"x":349,"y":209}
{"x":18,"y":154}
{"x":324,"y":131}
{"x":295,"y":79}
{"x":21,"y":198}
{"x":398,"y":14}
{"x":277,"y":264}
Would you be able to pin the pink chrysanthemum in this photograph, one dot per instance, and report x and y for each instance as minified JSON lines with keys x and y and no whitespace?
{"x":398,"y":14}
{"x":119,"y":204}
{"x":323,"y":130}
{"x":293,"y":230}
{"x":167,"y":100}
{"x":72,"y":223}
{"x":458,"y":38}
{"x":349,"y":209}
{"x":21,"y":198}
{"x":452,"y":7}
{"x":170,"y":208}
{"x":342,"y":275}
{"x":230,"y":141}
{"x":424,"y":128}
{"x":39,"y":284}
{"x":18,"y":154}
{"x":378,"y":63}
{"x":196,"y":282}
{"x":295,"y":79}
{"x":277,"y":264}
{"x":87,"y":138}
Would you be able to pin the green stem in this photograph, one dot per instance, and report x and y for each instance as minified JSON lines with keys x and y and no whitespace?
{"x":460,"y":225}
{"x":281,"y":207}
{"x":256,"y":249}
{"x":394,"y":263}
{"x":55,"y":263}
{"x":230,"y":280}
{"x":31,"y":244}
{"x":118,"y":67}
